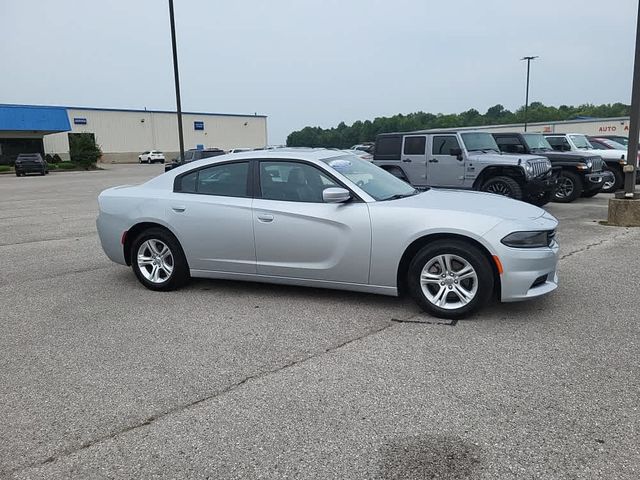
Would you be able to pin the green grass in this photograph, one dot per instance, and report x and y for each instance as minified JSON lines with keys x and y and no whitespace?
{"x":4,"y":168}
{"x":66,"y":166}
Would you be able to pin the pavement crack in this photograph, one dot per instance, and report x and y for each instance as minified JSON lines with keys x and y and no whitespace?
{"x":186,"y":406}
{"x":595,"y":244}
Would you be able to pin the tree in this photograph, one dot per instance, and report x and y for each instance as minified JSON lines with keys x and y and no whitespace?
{"x":83,"y":150}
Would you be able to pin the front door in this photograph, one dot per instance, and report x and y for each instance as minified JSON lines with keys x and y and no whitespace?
{"x":299,"y":236}
{"x":414,"y":159}
{"x":212,"y":212}
{"x":443,"y":168}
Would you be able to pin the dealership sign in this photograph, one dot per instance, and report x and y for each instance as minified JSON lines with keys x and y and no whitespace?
{"x":79,"y":121}
{"x":198,"y":125}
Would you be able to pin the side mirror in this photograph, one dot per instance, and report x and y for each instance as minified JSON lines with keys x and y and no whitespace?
{"x":335,"y":195}
{"x":456,"y":152}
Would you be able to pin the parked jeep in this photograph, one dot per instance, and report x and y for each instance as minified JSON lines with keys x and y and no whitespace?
{"x":578,"y":143}
{"x":580,"y":173}
{"x":464,"y":159}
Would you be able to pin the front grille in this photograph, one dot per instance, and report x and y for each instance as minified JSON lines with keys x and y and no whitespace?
{"x":539,"y":167}
{"x":597,"y":164}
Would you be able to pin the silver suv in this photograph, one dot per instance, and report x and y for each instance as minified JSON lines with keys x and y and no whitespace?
{"x":464,"y":159}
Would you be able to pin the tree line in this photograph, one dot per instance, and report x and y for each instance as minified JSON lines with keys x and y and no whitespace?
{"x":344,"y":136}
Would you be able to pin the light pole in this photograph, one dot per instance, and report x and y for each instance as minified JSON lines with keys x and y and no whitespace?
{"x":526,"y":103}
{"x":634,"y":124}
{"x":177,"y":79}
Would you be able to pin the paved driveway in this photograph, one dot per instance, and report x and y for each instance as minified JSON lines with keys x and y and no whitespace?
{"x":100,"y":378}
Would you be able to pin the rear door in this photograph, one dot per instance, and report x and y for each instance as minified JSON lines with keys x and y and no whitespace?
{"x":414,"y":158}
{"x":443,"y":168}
{"x":212,"y":212}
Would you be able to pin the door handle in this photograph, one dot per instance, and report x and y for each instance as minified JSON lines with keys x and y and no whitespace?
{"x":408,"y":160}
{"x":178,"y":209}
{"x":264,"y":218}
{"x":433,"y":160}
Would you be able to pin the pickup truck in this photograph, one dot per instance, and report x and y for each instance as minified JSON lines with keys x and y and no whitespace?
{"x":464,"y":160}
{"x":580,"y":173}
{"x":578,"y":143}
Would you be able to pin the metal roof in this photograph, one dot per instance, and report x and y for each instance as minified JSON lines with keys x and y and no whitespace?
{"x":101,"y":109}
{"x":33,"y":118}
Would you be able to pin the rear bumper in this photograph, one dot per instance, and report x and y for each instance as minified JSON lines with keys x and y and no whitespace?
{"x":30,"y":168}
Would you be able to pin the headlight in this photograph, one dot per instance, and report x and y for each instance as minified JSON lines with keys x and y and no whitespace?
{"x":528,"y":168}
{"x":529,"y":239}
{"x":589,"y":164}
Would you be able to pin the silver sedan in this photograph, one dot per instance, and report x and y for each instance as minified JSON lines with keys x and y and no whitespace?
{"x":326,"y":218}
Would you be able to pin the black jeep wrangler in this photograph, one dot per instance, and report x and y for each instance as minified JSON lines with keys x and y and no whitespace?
{"x":580,"y":174}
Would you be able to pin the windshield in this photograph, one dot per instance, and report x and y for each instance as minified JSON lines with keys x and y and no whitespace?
{"x":479,"y":141}
{"x":613,"y":145}
{"x":378,"y":183}
{"x":535,"y":141}
{"x":580,"y":141}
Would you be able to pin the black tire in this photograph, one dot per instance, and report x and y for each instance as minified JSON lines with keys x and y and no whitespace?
{"x":180,"y":272}
{"x":568,"y":188}
{"x":617,"y":184}
{"x":505,"y":186}
{"x":542,"y":199}
{"x":18,"y":174}
{"x":484,"y":283}
{"x":43,"y":173}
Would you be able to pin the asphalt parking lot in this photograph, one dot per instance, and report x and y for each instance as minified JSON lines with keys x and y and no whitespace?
{"x":100,"y":378}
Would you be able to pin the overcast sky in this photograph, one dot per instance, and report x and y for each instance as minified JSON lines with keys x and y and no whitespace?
{"x":316,"y":62}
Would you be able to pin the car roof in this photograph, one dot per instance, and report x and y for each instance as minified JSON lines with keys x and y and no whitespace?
{"x":432,"y":132}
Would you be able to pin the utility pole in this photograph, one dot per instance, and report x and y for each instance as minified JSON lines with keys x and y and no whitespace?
{"x":177,"y":78}
{"x":526,"y":103}
{"x":634,"y":125}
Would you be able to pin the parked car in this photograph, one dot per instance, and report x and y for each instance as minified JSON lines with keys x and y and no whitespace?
{"x":579,"y":173}
{"x":365,"y":147}
{"x":151,"y":156}
{"x":323,"y":218}
{"x":621,"y":139}
{"x":30,"y":163}
{"x":192,"y":155}
{"x":577,"y":142}
{"x":464,"y":159}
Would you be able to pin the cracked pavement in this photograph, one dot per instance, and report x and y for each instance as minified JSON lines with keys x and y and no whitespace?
{"x":100,"y":378}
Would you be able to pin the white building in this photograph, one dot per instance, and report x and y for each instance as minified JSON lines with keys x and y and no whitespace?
{"x":124,"y":134}
{"x":588,"y":126}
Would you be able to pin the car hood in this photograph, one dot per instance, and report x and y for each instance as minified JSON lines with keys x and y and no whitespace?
{"x":609,"y":154}
{"x":506,"y":158}
{"x":572,"y":156}
{"x":465,"y":201}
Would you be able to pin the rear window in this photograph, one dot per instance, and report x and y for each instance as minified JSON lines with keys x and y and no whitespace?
{"x":388,"y":148}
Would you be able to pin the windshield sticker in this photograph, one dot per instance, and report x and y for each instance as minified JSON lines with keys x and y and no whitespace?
{"x":340,"y":164}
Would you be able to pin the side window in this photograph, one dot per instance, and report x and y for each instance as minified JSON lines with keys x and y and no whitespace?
{"x":510,"y":144}
{"x":188,"y":156}
{"x":388,"y":148}
{"x":228,"y":180}
{"x":293,"y":182}
{"x":414,"y":145}
{"x":442,"y":144}
{"x":559,"y":143}
{"x":597,"y":145}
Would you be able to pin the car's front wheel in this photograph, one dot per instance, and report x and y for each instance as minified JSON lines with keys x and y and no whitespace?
{"x":568,"y":188}
{"x":158,"y":260}
{"x":503,"y":185}
{"x":611,"y":186}
{"x":450,"y":278}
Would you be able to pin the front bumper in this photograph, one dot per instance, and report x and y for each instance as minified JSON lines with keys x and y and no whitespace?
{"x":528,"y":273}
{"x":542,"y":184}
{"x":596,"y":180}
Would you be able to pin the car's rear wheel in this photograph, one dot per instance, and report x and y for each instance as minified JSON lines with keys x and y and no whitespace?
{"x":505,"y":186}
{"x":158,"y":260}
{"x":450,"y":278}
{"x":568,"y":188}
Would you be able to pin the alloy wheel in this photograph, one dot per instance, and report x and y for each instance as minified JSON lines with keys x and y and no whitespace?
{"x":155,"y":261}
{"x":449,"y":281}
{"x":500,"y":189}
{"x":564,"y":187}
